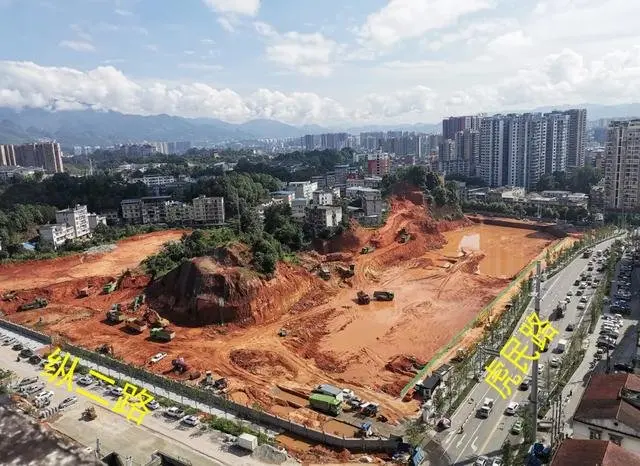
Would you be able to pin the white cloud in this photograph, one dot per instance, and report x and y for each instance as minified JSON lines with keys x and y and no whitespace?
{"x":509,"y":42}
{"x":189,"y":52}
{"x":81,"y":33}
{"x":470,"y":34}
{"x":416,"y":100}
{"x":241,"y":7}
{"x":308,"y":54}
{"x":200,"y":66}
{"x":208,"y":41}
{"x":77,"y":45}
{"x":122,"y":12}
{"x":151,"y":48}
{"x":405,"y":19}
{"x":228,"y":23}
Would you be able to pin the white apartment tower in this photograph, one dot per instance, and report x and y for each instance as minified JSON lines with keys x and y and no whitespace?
{"x":77,"y":218}
{"x":622,"y":165}
{"x":557,"y":132}
{"x":492,"y":150}
{"x":537,"y":150}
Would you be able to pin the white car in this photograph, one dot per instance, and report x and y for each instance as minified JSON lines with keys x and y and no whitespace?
{"x":582,"y":306}
{"x":512,"y":408}
{"x":44,"y":395}
{"x":567,"y":299}
{"x":497,"y":462}
{"x":28,"y":381}
{"x":85,"y":380}
{"x":555,"y":362}
{"x":584,"y":299}
{"x":190,"y":420}
{"x":153,"y":405}
{"x":157,"y":357}
{"x":174,"y":412}
{"x":68,"y":402}
{"x":116,"y":391}
{"x":482,"y":461}
{"x":540,"y":368}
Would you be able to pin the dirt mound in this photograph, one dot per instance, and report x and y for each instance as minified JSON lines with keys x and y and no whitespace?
{"x":404,"y":364}
{"x":264,"y":363}
{"x":204,"y":291}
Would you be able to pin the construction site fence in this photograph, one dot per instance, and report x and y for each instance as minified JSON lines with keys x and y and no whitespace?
{"x":482,"y":315}
{"x":370,"y":444}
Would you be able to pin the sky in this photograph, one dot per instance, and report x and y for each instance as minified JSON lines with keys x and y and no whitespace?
{"x":318,"y":61}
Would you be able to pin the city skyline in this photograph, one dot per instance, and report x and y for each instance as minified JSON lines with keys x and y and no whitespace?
{"x":330,"y":63}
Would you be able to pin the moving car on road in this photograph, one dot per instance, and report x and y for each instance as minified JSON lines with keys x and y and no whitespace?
{"x":512,"y":408}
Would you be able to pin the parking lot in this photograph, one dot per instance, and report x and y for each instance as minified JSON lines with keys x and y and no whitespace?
{"x":175,"y":434}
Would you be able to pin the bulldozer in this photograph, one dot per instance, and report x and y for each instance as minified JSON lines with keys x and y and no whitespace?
{"x":137,"y":325}
{"x":363,"y":298}
{"x":403,"y":235}
{"x":155,"y":320}
{"x":179,"y":365}
{"x":89,"y":414}
{"x":346,"y":272}
{"x":105,"y":349}
{"x":84,"y":292}
{"x":383,"y":295}
{"x":162,"y":334}
{"x":115,"y":314}
{"x":35,"y":304}
{"x":9,"y":296}
{"x":109,"y":287}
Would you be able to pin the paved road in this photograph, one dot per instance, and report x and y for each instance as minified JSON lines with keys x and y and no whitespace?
{"x":486,"y":436}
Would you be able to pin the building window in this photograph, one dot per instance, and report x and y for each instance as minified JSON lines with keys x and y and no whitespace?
{"x":595,"y":434}
{"x":617,"y":439}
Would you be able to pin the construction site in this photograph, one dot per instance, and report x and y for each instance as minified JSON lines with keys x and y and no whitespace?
{"x":364,"y":313}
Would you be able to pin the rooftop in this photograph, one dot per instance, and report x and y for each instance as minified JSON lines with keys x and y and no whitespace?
{"x":612,"y":396}
{"x":574,"y":452}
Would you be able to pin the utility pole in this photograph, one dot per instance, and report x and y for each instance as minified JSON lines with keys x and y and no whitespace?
{"x":534,"y":366}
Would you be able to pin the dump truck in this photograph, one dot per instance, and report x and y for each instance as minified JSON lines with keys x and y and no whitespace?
{"x":137,"y":325}
{"x":325,"y":403}
{"x":115,"y":315}
{"x":109,"y":287}
{"x":383,"y":295}
{"x":155,"y":320}
{"x":363,"y":298}
{"x":346,"y":272}
{"x":35,"y":304}
{"x":367,"y":249}
{"x":84,"y":292}
{"x":485,"y":409}
{"x":162,"y":334}
{"x":179,"y":365}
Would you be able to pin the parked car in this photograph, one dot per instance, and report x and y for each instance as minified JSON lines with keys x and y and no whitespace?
{"x":153,"y":405}
{"x":9,"y":341}
{"x":68,"y":402}
{"x":623,"y":366}
{"x":44,"y":395}
{"x":524,"y":385}
{"x":17,"y":347}
{"x":174,"y":412}
{"x":482,"y":461}
{"x":497,"y":462}
{"x":26,"y":353}
{"x":555,"y":362}
{"x":516,"y":428}
{"x":85,"y":380}
{"x":31,"y":389}
{"x":27,"y":381}
{"x":190,"y":420}
{"x":569,"y":293}
{"x":584,"y":299}
{"x":570,"y":327}
{"x":116,"y":391}
{"x":582,"y":306}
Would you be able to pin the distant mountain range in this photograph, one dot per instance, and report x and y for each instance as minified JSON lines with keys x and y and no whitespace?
{"x":90,"y":127}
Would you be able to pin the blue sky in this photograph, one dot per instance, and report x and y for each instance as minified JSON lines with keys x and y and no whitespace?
{"x":314,"y":61}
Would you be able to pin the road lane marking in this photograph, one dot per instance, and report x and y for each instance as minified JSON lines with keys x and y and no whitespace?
{"x":474,"y":447}
{"x":460,"y":441}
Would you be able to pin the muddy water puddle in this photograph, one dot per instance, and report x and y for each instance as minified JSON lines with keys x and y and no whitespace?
{"x":356,"y":331}
{"x":340,"y":429}
{"x":295,"y":400}
{"x":507,"y":250}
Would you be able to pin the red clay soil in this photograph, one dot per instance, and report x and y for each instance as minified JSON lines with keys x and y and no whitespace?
{"x":330,"y":338}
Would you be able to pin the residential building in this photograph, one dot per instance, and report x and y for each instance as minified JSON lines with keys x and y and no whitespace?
{"x":378,"y":164}
{"x":309,"y":142}
{"x":575,"y":452}
{"x":286,"y":196}
{"x":452,"y":125}
{"x":56,"y":234}
{"x":576,"y":136}
{"x":610,"y":410}
{"x":597,"y":198}
{"x":77,"y":218}
{"x":155,"y":180}
{"x":178,"y":212}
{"x":298,"y":207}
{"x":131,"y":210}
{"x":536,"y":150}
{"x":622,"y":165}
{"x":341,"y":172}
{"x":153,"y":209}
{"x":303,"y":189}
{"x":492,"y":151}
{"x":322,"y":197}
{"x":448,"y":157}
{"x":372,"y":203}
{"x":323,"y":216}
{"x":95,"y":220}
{"x":209,"y":210}
{"x":557,"y":140}
{"x":10,"y":172}
{"x":47,"y":155}
{"x":372,"y":141}
{"x":467,"y":151}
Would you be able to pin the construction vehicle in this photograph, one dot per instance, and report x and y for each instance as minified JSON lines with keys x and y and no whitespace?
{"x":123,"y":275}
{"x":363,"y":298}
{"x":367,"y":249}
{"x":403,"y":235}
{"x":137,"y":325}
{"x":109,"y":287}
{"x":162,"y":334}
{"x":179,"y":365}
{"x":139,"y":301}
{"x":115,"y":314}
{"x":461,"y":355}
{"x":346,"y":272}
{"x":105,"y":349}
{"x":154,"y":319}
{"x":325,"y":403}
{"x":383,"y":295}
{"x":9,"y":296}
{"x":84,"y":292}
{"x":89,"y":414}
{"x":369,"y":409}
{"x":486,"y":408}
{"x":282,"y":333}
{"x":35,"y":304}
{"x":324,"y":273}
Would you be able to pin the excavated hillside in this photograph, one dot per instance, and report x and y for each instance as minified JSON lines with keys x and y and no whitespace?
{"x":223,"y":288}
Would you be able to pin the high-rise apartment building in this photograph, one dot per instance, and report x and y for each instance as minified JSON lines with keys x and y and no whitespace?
{"x":492,"y":151}
{"x":379,"y":164}
{"x":537,"y":150}
{"x":557,"y":136}
{"x":516,"y":150}
{"x":451,"y":125}
{"x":47,"y":155}
{"x":622,"y":165}
{"x":576,"y":137}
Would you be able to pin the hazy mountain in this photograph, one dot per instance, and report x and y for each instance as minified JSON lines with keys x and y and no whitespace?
{"x":417,"y":127}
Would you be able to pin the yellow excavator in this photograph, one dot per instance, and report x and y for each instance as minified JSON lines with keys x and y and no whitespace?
{"x":155,"y":320}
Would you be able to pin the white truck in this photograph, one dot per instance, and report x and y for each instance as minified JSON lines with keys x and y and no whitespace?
{"x":485,"y":409}
{"x":247,"y":441}
{"x":562,"y":345}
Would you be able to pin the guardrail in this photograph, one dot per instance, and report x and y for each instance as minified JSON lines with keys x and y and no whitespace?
{"x":370,"y":444}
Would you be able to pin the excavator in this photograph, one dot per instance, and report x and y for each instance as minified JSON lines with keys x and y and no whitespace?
{"x":105,"y":349}
{"x":155,"y":320}
{"x":179,"y":365}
